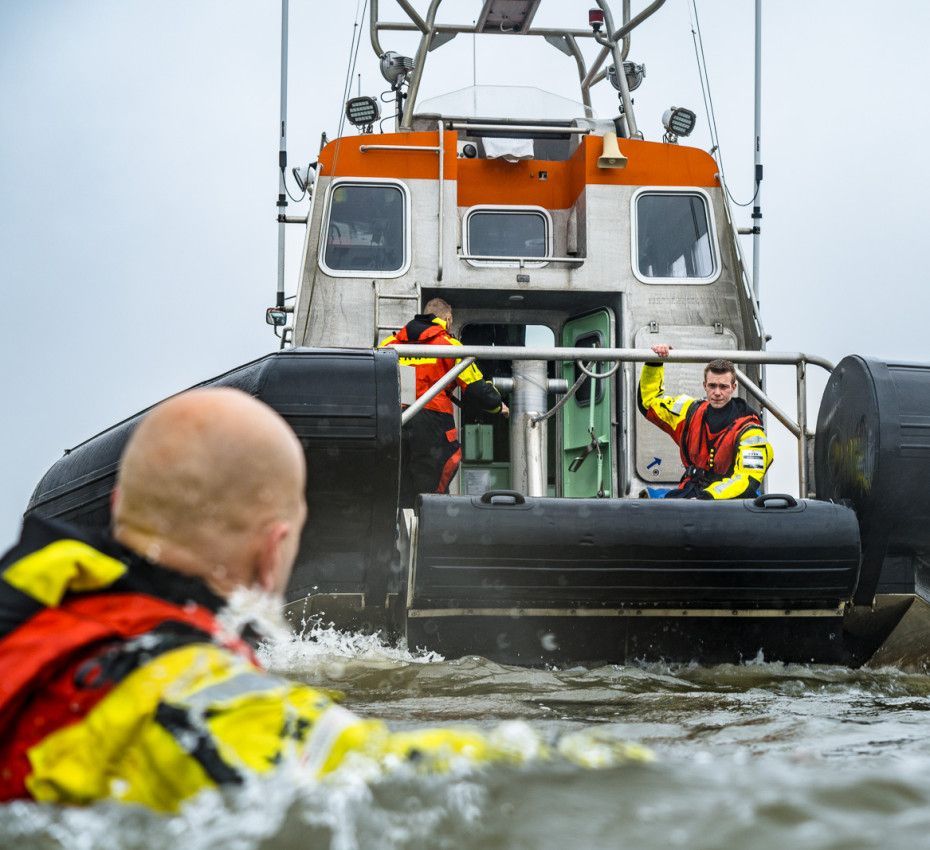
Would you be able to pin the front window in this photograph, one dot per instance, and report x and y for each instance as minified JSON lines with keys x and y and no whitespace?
{"x":673,"y":238}
{"x":365,"y":229}
{"x":506,"y":232}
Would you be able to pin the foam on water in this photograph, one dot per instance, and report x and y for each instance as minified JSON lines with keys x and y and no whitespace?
{"x":756,"y":755}
{"x":317,"y":648}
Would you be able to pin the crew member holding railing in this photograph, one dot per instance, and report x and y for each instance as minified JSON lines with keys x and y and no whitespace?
{"x":723,"y":447}
{"x":432,"y":452}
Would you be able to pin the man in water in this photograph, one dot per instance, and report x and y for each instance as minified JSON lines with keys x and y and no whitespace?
{"x":117,"y":676}
{"x":432,"y":451}
{"x":723,"y":447}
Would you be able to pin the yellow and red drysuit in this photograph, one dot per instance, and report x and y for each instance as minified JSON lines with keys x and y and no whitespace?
{"x":117,"y":680}
{"x":725,"y":452}
{"x":432,"y":450}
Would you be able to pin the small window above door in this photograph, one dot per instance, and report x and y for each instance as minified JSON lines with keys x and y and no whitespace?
{"x":500,"y":232}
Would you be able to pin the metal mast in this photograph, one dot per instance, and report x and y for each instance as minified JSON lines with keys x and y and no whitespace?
{"x":282,"y":157}
{"x":757,"y":176}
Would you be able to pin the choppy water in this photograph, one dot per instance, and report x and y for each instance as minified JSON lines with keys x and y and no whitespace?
{"x":757,"y":755}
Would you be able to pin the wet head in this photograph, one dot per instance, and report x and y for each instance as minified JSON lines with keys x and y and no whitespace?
{"x":211,"y":484}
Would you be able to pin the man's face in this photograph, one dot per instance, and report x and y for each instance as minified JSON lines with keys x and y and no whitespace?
{"x":719,"y":387}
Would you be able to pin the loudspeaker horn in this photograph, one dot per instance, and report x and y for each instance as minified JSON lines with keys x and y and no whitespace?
{"x":611,"y":157}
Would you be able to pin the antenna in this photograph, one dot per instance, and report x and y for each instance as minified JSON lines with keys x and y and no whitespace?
{"x":757,"y":175}
{"x":282,"y":157}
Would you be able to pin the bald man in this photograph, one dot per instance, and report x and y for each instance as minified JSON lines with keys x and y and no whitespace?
{"x":117,"y":677}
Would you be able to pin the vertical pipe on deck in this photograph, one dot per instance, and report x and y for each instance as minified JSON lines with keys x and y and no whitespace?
{"x":802,"y":426}
{"x":527,"y":457}
{"x":442,"y":188}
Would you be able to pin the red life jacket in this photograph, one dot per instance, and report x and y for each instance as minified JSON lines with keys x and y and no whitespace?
{"x":712,"y":454}
{"x":52,"y":667}
{"x":428,"y":373}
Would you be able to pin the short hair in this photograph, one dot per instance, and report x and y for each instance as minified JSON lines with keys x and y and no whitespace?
{"x":439,"y":308}
{"x":720,"y":367}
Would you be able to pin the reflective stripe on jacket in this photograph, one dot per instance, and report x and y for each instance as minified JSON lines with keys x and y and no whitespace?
{"x":727,"y":465}
{"x":428,"y":330}
{"x":116,"y":681}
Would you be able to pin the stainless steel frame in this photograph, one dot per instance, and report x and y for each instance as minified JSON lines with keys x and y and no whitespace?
{"x":799,"y":360}
{"x":429,"y":29}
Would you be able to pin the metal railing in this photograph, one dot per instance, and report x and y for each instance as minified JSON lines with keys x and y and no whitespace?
{"x":466,"y":354}
{"x":433,"y":35}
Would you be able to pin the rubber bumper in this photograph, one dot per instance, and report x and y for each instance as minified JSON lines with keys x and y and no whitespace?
{"x":872,"y":451}
{"x":344,"y":406}
{"x":506,"y":550}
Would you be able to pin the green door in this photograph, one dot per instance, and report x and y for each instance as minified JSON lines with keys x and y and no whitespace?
{"x":587,"y":430}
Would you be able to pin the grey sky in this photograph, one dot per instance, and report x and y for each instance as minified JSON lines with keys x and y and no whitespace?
{"x":138,"y":153}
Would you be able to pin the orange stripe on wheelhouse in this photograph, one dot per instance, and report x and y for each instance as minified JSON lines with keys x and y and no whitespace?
{"x":545,"y":183}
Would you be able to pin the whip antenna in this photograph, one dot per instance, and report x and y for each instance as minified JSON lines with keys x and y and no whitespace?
{"x":282,"y":157}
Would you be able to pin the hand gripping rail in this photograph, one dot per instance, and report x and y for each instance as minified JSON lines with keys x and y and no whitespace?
{"x":799,"y":360}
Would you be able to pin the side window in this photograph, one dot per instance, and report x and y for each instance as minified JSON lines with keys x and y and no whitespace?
{"x":365,"y":229}
{"x":673,"y":238}
{"x":507,"y":232}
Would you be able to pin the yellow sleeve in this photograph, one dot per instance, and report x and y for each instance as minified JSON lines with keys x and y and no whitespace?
{"x":199,"y":717}
{"x":667,"y":411}
{"x":193,"y":718}
{"x":754,"y":455}
{"x":469,"y":375}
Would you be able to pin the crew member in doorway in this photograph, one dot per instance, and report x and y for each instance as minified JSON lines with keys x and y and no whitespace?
{"x":432,"y":452}
{"x":723,"y":447}
{"x":122,"y":672}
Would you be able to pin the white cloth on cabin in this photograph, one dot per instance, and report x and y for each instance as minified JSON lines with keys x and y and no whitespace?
{"x":511,"y":150}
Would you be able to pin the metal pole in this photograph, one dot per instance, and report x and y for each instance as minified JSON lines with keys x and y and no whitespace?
{"x":759,"y":395}
{"x":622,"y":355}
{"x":282,"y":156}
{"x":528,"y":400}
{"x":757,"y":176}
{"x":442,"y":194}
{"x":802,"y":429}
{"x":606,"y":40}
{"x":534,"y":440}
{"x":414,"y":88}
{"x":435,"y":389}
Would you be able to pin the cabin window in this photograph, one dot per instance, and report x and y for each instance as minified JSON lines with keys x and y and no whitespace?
{"x":673,"y":238}
{"x":365,"y":230}
{"x":508,"y":232}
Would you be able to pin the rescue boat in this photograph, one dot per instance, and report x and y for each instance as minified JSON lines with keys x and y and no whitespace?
{"x":568,"y":245}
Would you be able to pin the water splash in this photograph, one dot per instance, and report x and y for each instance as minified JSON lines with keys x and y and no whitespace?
{"x":324,"y":649}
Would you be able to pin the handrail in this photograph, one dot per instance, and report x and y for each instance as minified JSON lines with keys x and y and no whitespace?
{"x":622,"y":355}
{"x":523,"y":261}
{"x":466,"y":354}
{"x":468,"y":29}
{"x":435,"y":389}
{"x":521,"y":128}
